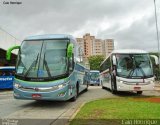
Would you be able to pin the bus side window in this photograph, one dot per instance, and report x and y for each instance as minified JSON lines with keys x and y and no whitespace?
{"x":3,"y":73}
{"x":106,"y":65}
{"x":7,"y":72}
{"x":12,"y":72}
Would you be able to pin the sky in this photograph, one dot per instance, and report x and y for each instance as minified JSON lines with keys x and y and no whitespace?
{"x":131,"y":23}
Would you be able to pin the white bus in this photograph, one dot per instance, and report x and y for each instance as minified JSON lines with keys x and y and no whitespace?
{"x":127,"y":70}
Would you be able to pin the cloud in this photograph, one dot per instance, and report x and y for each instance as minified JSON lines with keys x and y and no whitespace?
{"x":141,"y":34}
{"x":127,"y":21}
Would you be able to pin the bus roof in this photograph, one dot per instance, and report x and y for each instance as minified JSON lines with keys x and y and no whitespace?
{"x":129,"y":51}
{"x":7,"y":67}
{"x":50,"y":36}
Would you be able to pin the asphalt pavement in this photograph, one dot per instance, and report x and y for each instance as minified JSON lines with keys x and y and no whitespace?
{"x":24,"y":112}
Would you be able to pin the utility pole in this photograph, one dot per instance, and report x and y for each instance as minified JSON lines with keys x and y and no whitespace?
{"x":157,"y":36}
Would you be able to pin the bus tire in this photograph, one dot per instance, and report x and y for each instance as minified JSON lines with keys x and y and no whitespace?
{"x":113,"y":91}
{"x":139,"y":92}
{"x":87,"y":86}
{"x":74,"y":98}
{"x":102,"y":85}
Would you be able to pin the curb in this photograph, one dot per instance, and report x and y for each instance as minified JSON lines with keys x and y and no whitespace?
{"x":76,"y":112}
{"x":78,"y":109}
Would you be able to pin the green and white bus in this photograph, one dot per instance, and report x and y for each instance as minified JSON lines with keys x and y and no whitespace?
{"x":127,"y":70}
{"x":49,"y":67}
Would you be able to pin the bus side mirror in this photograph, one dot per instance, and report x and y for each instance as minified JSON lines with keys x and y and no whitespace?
{"x":8,"y":53}
{"x":156,"y":59}
{"x":114,"y":60}
{"x":70,"y":50}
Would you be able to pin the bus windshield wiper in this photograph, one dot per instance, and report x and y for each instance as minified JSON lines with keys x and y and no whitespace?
{"x":136,"y":66}
{"x":46,"y":65}
{"x":33,"y":63}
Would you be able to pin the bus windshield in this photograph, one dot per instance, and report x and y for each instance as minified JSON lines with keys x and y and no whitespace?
{"x":42,"y":59}
{"x":134,"y":66}
{"x":94,"y":75}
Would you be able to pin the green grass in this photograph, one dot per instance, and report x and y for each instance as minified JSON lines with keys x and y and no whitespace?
{"x":117,"y":108}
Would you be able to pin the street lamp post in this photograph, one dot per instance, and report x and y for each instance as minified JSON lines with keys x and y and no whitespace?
{"x":157,"y":35}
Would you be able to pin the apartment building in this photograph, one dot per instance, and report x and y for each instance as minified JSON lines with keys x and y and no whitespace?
{"x":88,"y":44}
{"x":92,"y":46}
{"x":97,"y":47}
{"x":108,"y":46}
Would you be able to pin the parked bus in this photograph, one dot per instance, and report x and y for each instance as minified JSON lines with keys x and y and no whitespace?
{"x":127,"y":70}
{"x":7,"y":77}
{"x":94,"y":77}
{"x":49,"y":67}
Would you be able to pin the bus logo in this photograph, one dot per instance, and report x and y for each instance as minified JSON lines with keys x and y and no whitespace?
{"x":36,"y":89}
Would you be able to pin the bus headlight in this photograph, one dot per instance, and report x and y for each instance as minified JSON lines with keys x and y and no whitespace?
{"x":122,"y":81}
{"x":151,"y":81}
{"x":62,"y":85}
{"x":16,"y":85}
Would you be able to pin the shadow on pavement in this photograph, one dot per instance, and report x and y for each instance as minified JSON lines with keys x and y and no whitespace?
{"x":127,"y":94}
{"x":6,"y":90}
{"x":47,"y":104}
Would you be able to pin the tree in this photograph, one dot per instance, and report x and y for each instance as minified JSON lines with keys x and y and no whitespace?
{"x":95,"y":61}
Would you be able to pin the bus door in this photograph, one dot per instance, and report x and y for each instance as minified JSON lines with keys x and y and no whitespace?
{"x":113,"y":72}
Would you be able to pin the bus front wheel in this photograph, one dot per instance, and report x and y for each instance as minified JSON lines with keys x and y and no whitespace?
{"x":102,"y":85}
{"x":112,"y":88}
{"x":113,"y":91}
{"x":76,"y":94}
{"x":87,"y":87}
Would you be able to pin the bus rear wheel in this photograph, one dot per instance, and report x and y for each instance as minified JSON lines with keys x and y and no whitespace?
{"x":139,"y":92}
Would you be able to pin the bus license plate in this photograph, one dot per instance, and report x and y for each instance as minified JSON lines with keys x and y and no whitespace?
{"x":137,"y":88}
{"x":36,"y":96}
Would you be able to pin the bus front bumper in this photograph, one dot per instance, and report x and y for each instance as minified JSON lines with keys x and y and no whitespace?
{"x":94,"y":83}
{"x":62,"y":94}
{"x":135,"y":87}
